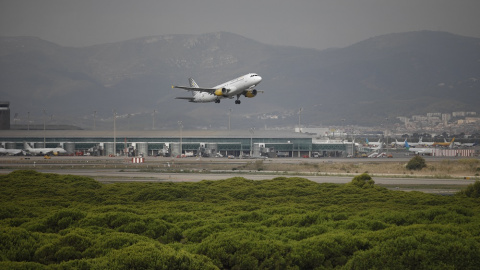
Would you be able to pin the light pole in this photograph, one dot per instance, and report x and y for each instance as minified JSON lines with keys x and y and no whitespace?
{"x":180,"y":125}
{"x":229,"y":113}
{"x":94,"y":116}
{"x":44,"y":141}
{"x":153,"y":119}
{"x":386,"y":131}
{"x":299,"y":113}
{"x":114,"y":132}
{"x":252,"y":130}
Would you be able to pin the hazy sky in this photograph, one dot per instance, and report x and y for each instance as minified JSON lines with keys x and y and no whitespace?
{"x":306,"y":23}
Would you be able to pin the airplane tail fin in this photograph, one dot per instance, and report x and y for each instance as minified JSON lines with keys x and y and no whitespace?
{"x":193,"y":84}
{"x":451,"y":143}
{"x":406,"y":145}
{"x":26,"y":145}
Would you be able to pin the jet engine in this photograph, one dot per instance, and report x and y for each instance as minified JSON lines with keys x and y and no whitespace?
{"x":220,"y":92}
{"x":250,"y":93}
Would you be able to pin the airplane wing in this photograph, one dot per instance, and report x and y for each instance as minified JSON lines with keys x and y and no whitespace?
{"x":188,"y":88}
{"x":187,"y":98}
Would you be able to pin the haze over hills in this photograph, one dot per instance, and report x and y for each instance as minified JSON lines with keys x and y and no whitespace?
{"x":385,"y":76}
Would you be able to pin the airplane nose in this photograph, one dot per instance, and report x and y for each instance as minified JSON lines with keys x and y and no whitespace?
{"x":259,"y":79}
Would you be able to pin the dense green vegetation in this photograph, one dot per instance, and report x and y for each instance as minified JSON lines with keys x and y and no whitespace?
{"x":50,"y":221}
{"x":416,"y":163}
{"x":472,"y":190}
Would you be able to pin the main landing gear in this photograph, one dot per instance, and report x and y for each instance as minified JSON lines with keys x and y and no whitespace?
{"x":238,"y":100}
{"x":217,"y":100}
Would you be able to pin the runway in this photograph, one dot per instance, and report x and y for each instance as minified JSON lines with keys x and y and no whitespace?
{"x":429,"y":185}
{"x":160,"y":169}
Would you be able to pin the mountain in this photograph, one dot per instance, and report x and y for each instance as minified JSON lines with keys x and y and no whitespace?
{"x":386,"y":76}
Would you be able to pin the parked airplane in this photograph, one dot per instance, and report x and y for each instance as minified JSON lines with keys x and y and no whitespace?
{"x":470,"y":144}
{"x":415,"y":144}
{"x":425,"y":143}
{"x":419,"y":151}
{"x":244,"y":85}
{"x":43,"y":151}
{"x":375,"y":148}
{"x":10,"y":152}
{"x":373,"y":143}
{"x":396,"y":143}
{"x":449,"y":144}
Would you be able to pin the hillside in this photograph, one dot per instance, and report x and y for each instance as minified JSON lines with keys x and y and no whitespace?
{"x":385,"y":76}
{"x":50,"y":221}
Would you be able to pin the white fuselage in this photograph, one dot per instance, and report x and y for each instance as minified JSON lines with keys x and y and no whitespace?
{"x":374,"y":144}
{"x":43,"y":151}
{"x":422,"y":151}
{"x":4,"y":151}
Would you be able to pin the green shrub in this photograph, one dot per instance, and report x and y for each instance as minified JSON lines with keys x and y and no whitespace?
{"x":151,"y":256}
{"x":21,"y":265}
{"x":416,"y":163}
{"x":17,"y":244}
{"x":244,"y":250}
{"x":472,"y":190}
{"x":63,"y":219}
{"x":363,"y":180}
{"x":67,"y":253}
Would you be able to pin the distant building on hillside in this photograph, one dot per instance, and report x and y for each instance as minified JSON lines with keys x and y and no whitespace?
{"x":4,"y":115}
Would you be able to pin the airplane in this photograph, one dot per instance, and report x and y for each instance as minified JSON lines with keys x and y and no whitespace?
{"x":425,"y":143}
{"x":420,"y":142}
{"x":449,"y":144}
{"x":43,"y":151}
{"x":244,"y":85}
{"x":396,"y":143}
{"x":373,"y":143}
{"x":11,"y":152}
{"x":415,"y":144}
{"x":375,"y":148}
{"x":419,"y":151}
{"x":470,"y":144}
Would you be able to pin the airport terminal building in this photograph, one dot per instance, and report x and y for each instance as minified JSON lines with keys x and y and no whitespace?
{"x":254,"y":143}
